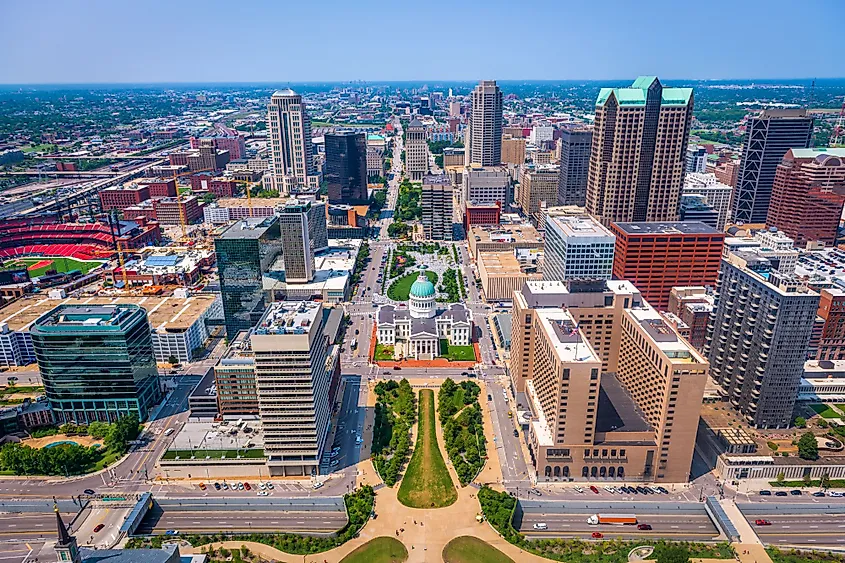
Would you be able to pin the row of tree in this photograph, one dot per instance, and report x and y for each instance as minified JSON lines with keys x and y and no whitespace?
{"x":395,"y":413}
{"x":463,"y":428}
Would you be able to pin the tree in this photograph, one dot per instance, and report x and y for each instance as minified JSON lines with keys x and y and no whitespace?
{"x":671,"y":554}
{"x":824,"y":482}
{"x":800,"y":422}
{"x":781,"y":477}
{"x":173,"y":360}
{"x":807,"y":479}
{"x":808,"y":448}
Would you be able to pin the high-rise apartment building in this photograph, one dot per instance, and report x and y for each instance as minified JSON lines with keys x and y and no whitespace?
{"x":234,"y":377}
{"x":614,"y":392}
{"x":639,"y":151}
{"x":485,"y":185}
{"x":538,"y":185}
{"x":716,"y":194}
{"x":97,"y":362}
{"x":577,"y":248}
{"x":656,"y":257}
{"x":513,"y":150}
{"x":290,"y":350}
{"x":767,"y":138}
{"x":289,"y":127}
{"x":416,"y":150}
{"x":575,"y":146}
{"x":437,"y":207}
{"x":758,"y":338}
{"x":318,"y":225}
{"x":295,"y":234}
{"x":346,"y":167}
{"x":696,"y":159}
{"x":245,"y":251}
{"x":484,"y":125}
{"x":808,"y":194}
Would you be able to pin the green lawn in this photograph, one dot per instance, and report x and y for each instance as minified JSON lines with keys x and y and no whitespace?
{"x":384,"y":352}
{"x":427,"y":483}
{"x":379,"y":550}
{"x":59,"y":263}
{"x":400,"y":289}
{"x":808,"y":556}
{"x":841,"y":407}
{"x":457,"y":353}
{"x":213,"y":454}
{"x":825,"y":411}
{"x":40,"y":148}
{"x":467,"y":549}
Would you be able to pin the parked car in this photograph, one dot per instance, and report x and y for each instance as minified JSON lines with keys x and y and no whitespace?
{"x":537,"y":492}
{"x":397,"y":368}
{"x":99,"y":527}
{"x":594,"y":489}
{"x":202,"y":486}
{"x":489,"y":397}
{"x":781,"y":494}
{"x":171,"y":533}
{"x":515,"y":433}
{"x":835,"y":494}
{"x":818,"y":494}
{"x":663,"y":490}
{"x":644,"y":526}
{"x":795,"y":493}
{"x":316,"y":485}
{"x":765,"y":493}
{"x":88,"y":491}
{"x":762,"y":522}
{"x":217,"y":486}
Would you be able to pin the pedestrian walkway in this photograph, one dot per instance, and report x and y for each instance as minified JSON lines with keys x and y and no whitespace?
{"x":747,"y":535}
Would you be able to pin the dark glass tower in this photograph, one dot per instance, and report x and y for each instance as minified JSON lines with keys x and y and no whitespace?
{"x":245,"y":252}
{"x":97,"y":362}
{"x":346,"y":167}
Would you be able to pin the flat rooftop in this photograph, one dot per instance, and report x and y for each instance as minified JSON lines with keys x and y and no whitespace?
{"x":667,"y":228}
{"x":290,"y":317}
{"x":166,"y":314}
{"x":251,"y":228}
{"x":256,"y":202}
{"x":582,"y":226}
{"x":520,"y":232}
{"x":562,"y":332}
{"x":617,"y":410}
{"x":663,"y":335}
{"x":499,"y":263}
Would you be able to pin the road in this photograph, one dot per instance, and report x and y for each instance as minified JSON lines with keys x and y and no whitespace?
{"x":691,"y":527}
{"x":204,"y":522}
{"x":808,"y":523}
{"x":26,"y":526}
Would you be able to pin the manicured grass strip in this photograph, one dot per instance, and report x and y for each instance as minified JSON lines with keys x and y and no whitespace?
{"x":825,"y":411}
{"x":383,"y":352}
{"x":457,"y":353}
{"x":400,"y":290}
{"x":379,"y":550}
{"x":467,"y":549}
{"x":799,"y":556}
{"x":427,"y":483}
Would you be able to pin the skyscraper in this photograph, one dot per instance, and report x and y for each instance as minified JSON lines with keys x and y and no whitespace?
{"x":245,"y":252}
{"x":437,"y":207}
{"x":289,"y":128}
{"x":346,"y":167}
{"x":758,"y":337}
{"x":484,"y":125}
{"x":575,"y":147}
{"x":767,"y":138}
{"x":577,"y":248}
{"x":97,"y":362}
{"x":639,"y":151}
{"x":416,"y":151}
{"x":538,"y":184}
{"x":808,"y":195}
{"x":296,"y":242}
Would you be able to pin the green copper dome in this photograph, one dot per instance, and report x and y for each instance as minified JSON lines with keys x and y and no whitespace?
{"x":422,"y":287}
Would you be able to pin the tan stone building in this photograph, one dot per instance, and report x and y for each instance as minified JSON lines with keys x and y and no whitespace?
{"x":614,"y":393}
{"x":638,"y":153}
{"x":501,"y":274}
{"x":416,"y":151}
{"x":513,"y":150}
{"x":503,"y":237}
{"x":538,"y":184}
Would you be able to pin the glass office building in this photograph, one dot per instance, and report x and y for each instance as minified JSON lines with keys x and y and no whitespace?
{"x":97,"y":362}
{"x":244,"y":252}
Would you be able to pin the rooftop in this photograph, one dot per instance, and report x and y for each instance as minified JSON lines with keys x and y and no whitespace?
{"x":252,"y":228}
{"x":667,"y":228}
{"x":521,"y":232}
{"x":500,"y":263}
{"x":579,"y":227}
{"x":290,"y":317}
{"x":635,"y":95}
{"x":562,"y":332}
{"x":664,"y":336}
{"x":89,"y":316}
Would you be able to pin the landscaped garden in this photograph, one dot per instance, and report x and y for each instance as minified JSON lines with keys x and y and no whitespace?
{"x":395,"y":413}
{"x":379,"y":550}
{"x":825,"y":411}
{"x":427,"y":483}
{"x":463,"y":429}
{"x":498,"y":508}
{"x":457,"y":353}
{"x":359,"y":506}
{"x":798,"y":556}
{"x":400,"y":289}
{"x":384,"y":352}
{"x":14,"y":395}
{"x":467,"y":549}
{"x":452,"y":286}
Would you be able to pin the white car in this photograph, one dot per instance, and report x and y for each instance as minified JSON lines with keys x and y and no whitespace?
{"x":579,"y":490}
{"x":541,"y":526}
{"x":262,"y":486}
{"x":609,"y":489}
{"x":835,"y":494}
{"x":269,"y":485}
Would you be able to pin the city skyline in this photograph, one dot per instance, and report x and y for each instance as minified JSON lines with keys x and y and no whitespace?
{"x":99,"y":43}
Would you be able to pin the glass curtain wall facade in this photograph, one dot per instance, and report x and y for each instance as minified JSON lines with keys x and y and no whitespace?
{"x":97,"y":363}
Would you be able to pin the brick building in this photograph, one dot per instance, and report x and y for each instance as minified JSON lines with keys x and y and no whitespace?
{"x":160,"y":187}
{"x":120,"y":197}
{"x":658,"y":256}
{"x":235,"y":145}
{"x":832,"y":310}
{"x":219,"y":186}
{"x":482,"y":214}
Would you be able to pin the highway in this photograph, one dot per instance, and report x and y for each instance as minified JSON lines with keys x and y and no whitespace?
{"x":691,"y":527}
{"x":822,"y":523}
{"x":22,"y":526}
{"x":204,"y":522}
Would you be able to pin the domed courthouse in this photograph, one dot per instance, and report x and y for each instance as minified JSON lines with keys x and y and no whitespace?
{"x":416,"y":332}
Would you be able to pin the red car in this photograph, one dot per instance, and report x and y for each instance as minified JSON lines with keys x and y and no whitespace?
{"x":99,"y":527}
{"x":644,"y":526}
{"x":247,"y":487}
{"x":594,"y":489}
{"x":598,"y":535}
{"x":761,"y":522}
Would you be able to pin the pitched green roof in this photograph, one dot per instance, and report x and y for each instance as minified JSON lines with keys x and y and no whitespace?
{"x":635,"y":95}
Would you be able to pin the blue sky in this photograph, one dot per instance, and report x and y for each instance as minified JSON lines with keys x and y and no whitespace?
{"x":85,"y":41}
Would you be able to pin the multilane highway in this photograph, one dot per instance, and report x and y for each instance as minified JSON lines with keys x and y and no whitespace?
{"x":203,"y":522}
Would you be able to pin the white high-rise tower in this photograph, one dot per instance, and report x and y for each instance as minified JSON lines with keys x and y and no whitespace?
{"x":290,"y":143}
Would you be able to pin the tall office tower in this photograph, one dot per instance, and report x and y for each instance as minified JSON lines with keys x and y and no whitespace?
{"x":437,"y":207}
{"x":290,"y":350}
{"x":694,"y":208}
{"x":538,"y":184}
{"x":832,"y":311}
{"x":639,"y":152}
{"x":484,"y":125}
{"x":574,"y":166}
{"x":97,"y":362}
{"x":513,"y":150}
{"x":577,"y":248}
{"x":716,"y":194}
{"x":346,"y":167}
{"x":808,"y":194}
{"x":758,"y":337}
{"x":656,"y":257}
{"x":767,"y":138}
{"x":454,"y":109}
{"x":540,"y":134}
{"x":244,"y":253}
{"x":416,"y":151}
{"x":484,"y":185}
{"x":616,"y":399}
{"x":317,"y":225}
{"x":696,"y":159}
{"x":296,"y":242}
{"x":289,"y":128}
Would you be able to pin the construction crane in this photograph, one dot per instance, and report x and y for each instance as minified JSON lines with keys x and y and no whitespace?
{"x":122,"y":265}
{"x":183,"y":219}
{"x":839,"y":128}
